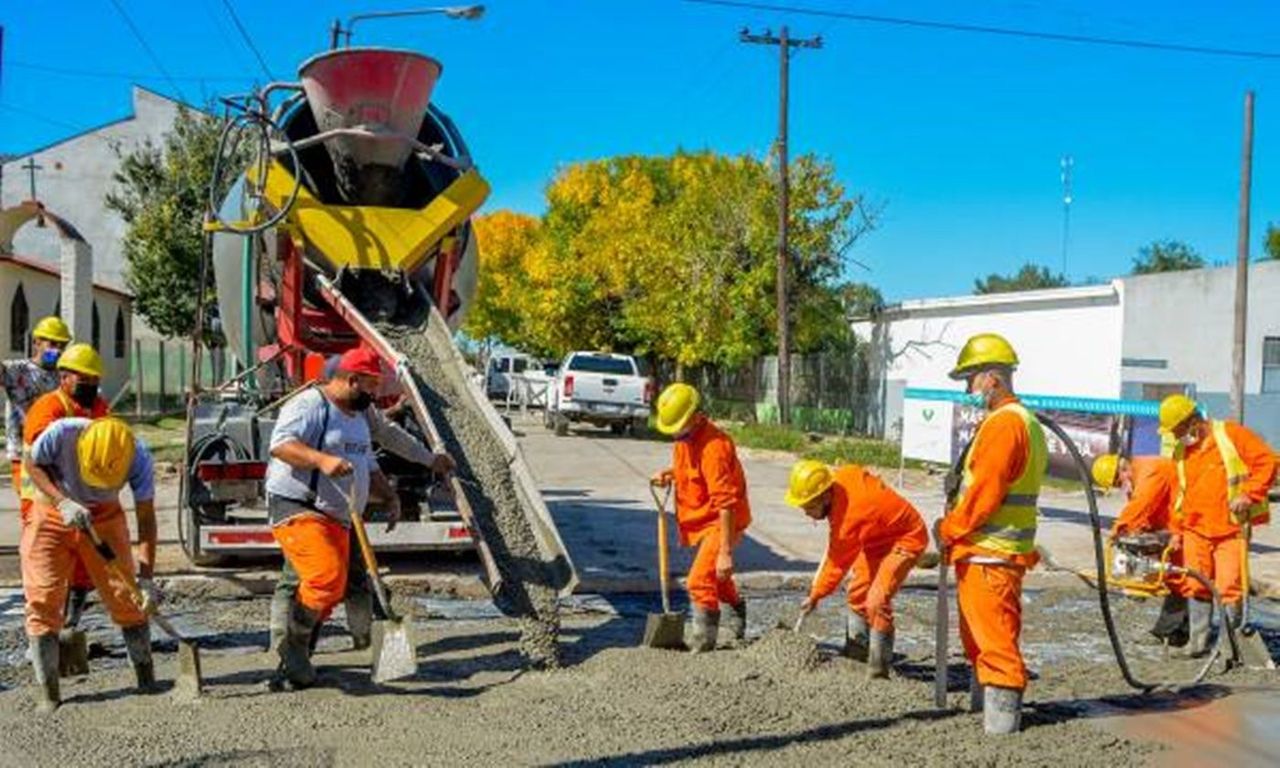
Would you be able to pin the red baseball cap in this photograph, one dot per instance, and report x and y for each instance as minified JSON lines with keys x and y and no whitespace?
{"x":361,"y":360}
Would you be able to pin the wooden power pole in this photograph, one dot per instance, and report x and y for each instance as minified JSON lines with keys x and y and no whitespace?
{"x":1242,"y":266}
{"x":785,"y":43}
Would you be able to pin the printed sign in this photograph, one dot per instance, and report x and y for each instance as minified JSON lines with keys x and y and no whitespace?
{"x":927,"y":427}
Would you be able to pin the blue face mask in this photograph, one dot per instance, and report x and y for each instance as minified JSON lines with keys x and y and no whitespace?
{"x":49,"y":359}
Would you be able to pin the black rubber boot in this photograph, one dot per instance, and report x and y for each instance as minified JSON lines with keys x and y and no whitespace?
{"x":856,"y":636}
{"x":137,"y":644}
{"x":737,"y":621}
{"x":295,"y":671}
{"x":77,"y":598}
{"x":879,"y":654}
{"x":1200,"y":616}
{"x":44,"y":662}
{"x":1171,"y":627}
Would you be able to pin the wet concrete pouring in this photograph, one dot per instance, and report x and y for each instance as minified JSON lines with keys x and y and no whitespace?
{"x":782,"y":697}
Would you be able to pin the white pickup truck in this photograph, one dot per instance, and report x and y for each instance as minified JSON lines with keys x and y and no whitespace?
{"x":602,"y":389}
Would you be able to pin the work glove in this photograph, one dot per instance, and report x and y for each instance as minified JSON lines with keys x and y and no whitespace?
{"x":1240,"y":508}
{"x":442,"y":463}
{"x":151,"y":595}
{"x":74,"y":514}
{"x":662,"y":479}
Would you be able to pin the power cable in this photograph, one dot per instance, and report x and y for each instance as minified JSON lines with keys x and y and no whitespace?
{"x":142,"y":41}
{"x":1060,"y":37}
{"x":244,"y":33}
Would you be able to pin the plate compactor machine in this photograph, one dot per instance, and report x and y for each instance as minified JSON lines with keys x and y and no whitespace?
{"x":340,"y":216}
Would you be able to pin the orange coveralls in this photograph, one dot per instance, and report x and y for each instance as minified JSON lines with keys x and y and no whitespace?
{"x":319,"y":549}
{"x":875,"y":532}
{"x":989,"y":593}
{"x":708,"y":479}
{"x":1150,"y":506}
{"x":47,"y":409}
{"x":1210,"y":536}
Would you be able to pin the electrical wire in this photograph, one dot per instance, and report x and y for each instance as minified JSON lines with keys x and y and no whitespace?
{"x":142,"y":41}
{"x":244,"y":33}
{"x":1061,"y":37}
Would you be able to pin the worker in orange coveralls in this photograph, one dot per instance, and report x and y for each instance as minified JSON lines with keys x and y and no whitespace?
{"x":712,"y":511}
{"x":1224,"y":473}
{"x":78,"y":467}
{"x":80,"y":371}
{"x":989,"y":531}
{"x":322,"y":431}
{"x":875,"y":532}
{"x":1150,"y":483}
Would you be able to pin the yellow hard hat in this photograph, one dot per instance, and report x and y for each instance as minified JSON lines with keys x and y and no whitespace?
{"x":52,"y":328}
{"x":1174,"y":410}
{"x":81,"y":358}
{"x":104,"y":452}
{"x":676,"y":405}
{"x":1104,"y":470}
{"x":982,"y":350}
{"x":809,"y":480}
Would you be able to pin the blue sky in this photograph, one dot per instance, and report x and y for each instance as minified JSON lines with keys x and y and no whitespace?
{"x":958,"y":135}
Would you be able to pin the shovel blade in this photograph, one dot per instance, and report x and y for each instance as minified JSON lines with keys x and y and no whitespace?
{"x":189,"y":683}
{"x":73,"y":653}
{"x":664,"y":630}
{"x":1253,"y":650}
{"x":394,"y":654}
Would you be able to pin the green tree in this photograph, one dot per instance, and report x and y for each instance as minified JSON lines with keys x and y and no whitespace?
{"x":1166,"y":256}
{"x":1030,"y":277}
{"x":162,"y":193}
{"x":1272,"y":242}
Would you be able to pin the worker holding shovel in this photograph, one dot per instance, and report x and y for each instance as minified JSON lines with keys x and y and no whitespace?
{"x":712,"y":511}
{"x":989,"y":532}
{"x":322,"y":431}
{"x":78,"y":467}
{"x":873,"y":531}
{"x":1224,"y":472}
{"x":1149,"y":484}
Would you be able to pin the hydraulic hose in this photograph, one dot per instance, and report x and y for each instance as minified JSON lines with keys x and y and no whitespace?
{"x":1104,"y":600}
{"x":202,"y":448}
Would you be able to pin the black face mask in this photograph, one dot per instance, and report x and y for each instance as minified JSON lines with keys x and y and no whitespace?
{"x":85,"y":394}
{"x":361,"y":401}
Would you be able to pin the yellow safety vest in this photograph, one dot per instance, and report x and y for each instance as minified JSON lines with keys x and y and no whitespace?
{"x":1237,"y":472}
{"x":1012,"y":528}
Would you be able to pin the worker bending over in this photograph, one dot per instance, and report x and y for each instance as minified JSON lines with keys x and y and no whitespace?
{"x":78,"y":467}
{"x":873,"y":531}
{"x":1149,"y":483}
{"x":322,"y":468}
{"x":1224,"y":472}
{"x":989,"y":531}
{"x":712,"y":511}
{"x":79,"y":375}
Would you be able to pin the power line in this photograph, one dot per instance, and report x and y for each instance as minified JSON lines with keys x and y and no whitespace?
{"x":244,"y":33}
{"x":142,"y":41}
{"x":899,"y":21}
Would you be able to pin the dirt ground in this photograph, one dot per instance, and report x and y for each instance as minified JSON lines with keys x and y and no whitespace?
{"x":781,"y":698}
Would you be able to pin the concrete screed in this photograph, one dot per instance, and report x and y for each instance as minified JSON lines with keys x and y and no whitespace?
{"x":781,"y":698}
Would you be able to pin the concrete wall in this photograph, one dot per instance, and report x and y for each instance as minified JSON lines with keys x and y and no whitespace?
{"x":1068,"y":340}
{"x":76,"y":177}
{"x":41,"y":291}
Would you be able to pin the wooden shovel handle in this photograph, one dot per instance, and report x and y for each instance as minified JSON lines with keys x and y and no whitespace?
{"x":664,"y":553}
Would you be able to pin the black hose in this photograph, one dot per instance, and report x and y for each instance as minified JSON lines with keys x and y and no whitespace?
{"x":1104,"y":601}
{"x":199,"y":450}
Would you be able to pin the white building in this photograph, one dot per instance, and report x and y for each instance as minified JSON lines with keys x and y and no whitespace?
{"x":1135,"y":338}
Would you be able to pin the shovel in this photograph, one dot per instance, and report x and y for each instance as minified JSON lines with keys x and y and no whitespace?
{"x":666,"y":629}
{"x":1253,"y":649}
{"x":188,"y":682}
{"x":394,"y":654}
{"x":942,"y":622}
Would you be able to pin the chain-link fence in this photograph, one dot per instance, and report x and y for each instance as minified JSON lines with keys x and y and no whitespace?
{"x":160,"y":372}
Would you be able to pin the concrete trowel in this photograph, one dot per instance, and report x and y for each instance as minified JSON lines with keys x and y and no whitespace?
{"x":666,"y":629}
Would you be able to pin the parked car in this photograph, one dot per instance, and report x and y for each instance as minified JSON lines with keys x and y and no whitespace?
{"x":602,"y":389}
{"x":498,"y":374}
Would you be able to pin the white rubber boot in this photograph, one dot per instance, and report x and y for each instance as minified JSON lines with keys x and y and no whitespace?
{"x":856,"y":636}
{"x":1002,"y":711}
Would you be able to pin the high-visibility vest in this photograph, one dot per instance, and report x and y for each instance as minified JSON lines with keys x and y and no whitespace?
{"x":27,"y":490}
{"x":1237,"y":472}
{"x":1011,"y":528}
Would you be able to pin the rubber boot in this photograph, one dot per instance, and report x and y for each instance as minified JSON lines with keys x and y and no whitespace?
{"x":137,"y":644}
{"x":1002,"y":710}
{"x":856,"y":636}
{"x":295,"y":671}
{"x":281,"y":602}
{"x":359,"y":607}
{"x":1199,"y":616}
{"x":1171,"y":626}
{"x":706,"y":625}
{"x":737,"y":621}
{"x":77,"y":598}
{"x":879,"y":654}
{"x":977,"y":701}
{"x":44,"y":662}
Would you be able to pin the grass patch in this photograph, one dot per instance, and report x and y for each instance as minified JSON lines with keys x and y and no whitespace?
{"x":165,"y":436}
{"x":865,"y":451}
{"x":769,"y":437}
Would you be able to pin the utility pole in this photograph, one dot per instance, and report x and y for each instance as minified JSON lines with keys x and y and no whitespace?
{"x":1242,"y":265}
{"x":1067,"y":163}
{"x":785,"y":43}
{"x":30,"y":167}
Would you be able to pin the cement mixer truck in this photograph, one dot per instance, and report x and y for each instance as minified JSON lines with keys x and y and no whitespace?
{"x":339,"y":217}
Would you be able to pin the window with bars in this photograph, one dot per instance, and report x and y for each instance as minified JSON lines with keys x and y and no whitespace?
{"x":1271,"y":364}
